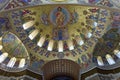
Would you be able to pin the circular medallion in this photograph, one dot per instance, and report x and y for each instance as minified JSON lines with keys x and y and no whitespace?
{"x":60,"y":55}
{"x":60,"y":16}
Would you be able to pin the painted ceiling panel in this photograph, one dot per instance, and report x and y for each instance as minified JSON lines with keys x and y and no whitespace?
{"x":11,"y":4}
{"x":77,"y":28}
{"x":64,"y":31}
{"x":14,"y":46}
{"x":14,"y":56}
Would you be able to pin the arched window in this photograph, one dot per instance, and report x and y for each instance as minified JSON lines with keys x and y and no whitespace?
{"x":33,"y":34}
{"x":100,"y":61}
{"x":117,"y":53}
{"x":95,"y":24}
{"x":110,"y":59}
{"x":89,"y":35}
{"x":81,"y":42}
{"x":3,"y":57}
{"x":41,"y":41}
{"x":70,"y":44}
{"x":28,"y":25}
{"x":11,"y":63}
{"x":50,"y":45}
{"x":22,"y":63}
{"x":60,"y":46}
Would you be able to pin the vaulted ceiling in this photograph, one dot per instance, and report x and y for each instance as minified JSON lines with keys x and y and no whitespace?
{"x":33,"y":33}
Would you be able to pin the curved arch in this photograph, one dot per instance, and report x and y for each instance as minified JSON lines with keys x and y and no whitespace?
{"x":14,"y":56}
{"x":108,"y":49}
{"x":12,"y":44}
{"x":61,"y":67}
{"x":100,"y":61}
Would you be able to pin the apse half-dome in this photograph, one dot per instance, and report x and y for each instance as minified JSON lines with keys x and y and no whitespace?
{"x":107,"y":50}
{"x":13,"y":54}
